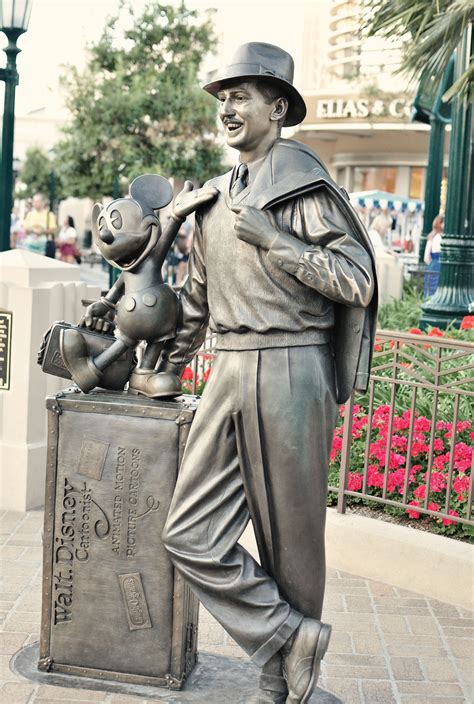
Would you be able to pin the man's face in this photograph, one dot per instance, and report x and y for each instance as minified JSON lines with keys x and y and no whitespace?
{"x":245,"y":115}
{"x":38,"y":202}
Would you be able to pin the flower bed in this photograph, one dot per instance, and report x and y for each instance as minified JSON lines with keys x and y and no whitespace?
{"x":415,"y":463}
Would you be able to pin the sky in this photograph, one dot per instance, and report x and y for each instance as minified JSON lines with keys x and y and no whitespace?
{"x":59,"y":31}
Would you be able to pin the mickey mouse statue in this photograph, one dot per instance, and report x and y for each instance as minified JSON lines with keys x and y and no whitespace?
{"x":128,"y":234}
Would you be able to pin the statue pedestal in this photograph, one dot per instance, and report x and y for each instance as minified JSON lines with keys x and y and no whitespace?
{"x":214,"y":680}
{"x":113,"y":606}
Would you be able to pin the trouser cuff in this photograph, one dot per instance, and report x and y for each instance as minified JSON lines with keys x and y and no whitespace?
{"x":278,"y":639}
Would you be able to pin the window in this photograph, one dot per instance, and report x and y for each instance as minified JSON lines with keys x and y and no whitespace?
{"x":417,"y":182}
{"x":378,"y":178}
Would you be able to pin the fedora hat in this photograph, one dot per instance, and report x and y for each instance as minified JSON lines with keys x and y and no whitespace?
{"x":259,"y":60}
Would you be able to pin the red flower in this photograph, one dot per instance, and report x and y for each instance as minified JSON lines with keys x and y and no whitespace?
{"x":435,"y":332}
{"x":467,"y":323}
{"x":411,"y":513}
{"x":437,"y":482}
{"x":354,"y":481}
{"x":461,"y":485}
{"x":451,"y":512}
{"x":433,"y":506}
{"x":415,"y":331}
{"x":187,"y":374}
{"x":440,"y":461}
{"x":420,"y":491}
{"x":206,"y":374}
{"x":422,"y":424}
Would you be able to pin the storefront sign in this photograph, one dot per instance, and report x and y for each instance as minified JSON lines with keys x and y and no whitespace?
{"x":386,"y":109}
{"x":5,"y":349}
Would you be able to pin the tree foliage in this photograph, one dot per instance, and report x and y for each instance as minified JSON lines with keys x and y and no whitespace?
{"x":138,"y":107}
{"x":434,"y":29}
{"x":34,"y":175}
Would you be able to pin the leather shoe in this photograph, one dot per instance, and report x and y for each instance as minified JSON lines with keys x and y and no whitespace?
{"x":302,"y":659}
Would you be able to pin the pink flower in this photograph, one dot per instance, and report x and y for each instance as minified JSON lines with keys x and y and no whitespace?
{"x":422,"y":424}
{"x":420,"y":491}
{"x":440,"y":461}
{"x":451,"y":512}
{"x":412,"y":513}
{"x":461,"y":485}
{"x":354,"y":481}
{"x":437,"y":482}
{"x":443,"y":425}
{"x":433,"y":506}
{"x":462,"y":425}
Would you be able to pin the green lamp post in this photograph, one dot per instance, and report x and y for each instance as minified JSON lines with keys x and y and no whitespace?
{"x":430,"y":109}
{"x":14,"y":18}
{"x":455,"y":292}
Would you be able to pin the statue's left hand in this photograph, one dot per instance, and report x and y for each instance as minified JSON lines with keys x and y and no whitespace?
{"x":189,"y":199}
{"x":253,"y":226}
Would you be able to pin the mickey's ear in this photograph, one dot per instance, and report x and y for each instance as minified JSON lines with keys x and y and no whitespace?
{"x":151,"y":191}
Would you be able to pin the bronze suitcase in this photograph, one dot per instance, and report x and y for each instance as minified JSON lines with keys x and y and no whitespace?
{"x":113,"y":606}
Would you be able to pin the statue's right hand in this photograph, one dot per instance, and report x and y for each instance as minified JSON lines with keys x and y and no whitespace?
{"x":99,"y":317}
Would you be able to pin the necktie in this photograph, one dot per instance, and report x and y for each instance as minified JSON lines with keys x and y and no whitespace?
{"x":241,"y":180}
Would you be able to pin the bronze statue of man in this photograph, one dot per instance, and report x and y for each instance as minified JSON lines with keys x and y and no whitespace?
{"x":281,"y":269}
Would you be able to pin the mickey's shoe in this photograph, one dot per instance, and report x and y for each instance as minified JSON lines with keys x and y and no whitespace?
{"x":75,"y":354}
{"x":148,"y":382}
{"x":302,"y":659}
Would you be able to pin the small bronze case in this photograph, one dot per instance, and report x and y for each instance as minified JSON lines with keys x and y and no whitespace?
{"x":113,"y":606}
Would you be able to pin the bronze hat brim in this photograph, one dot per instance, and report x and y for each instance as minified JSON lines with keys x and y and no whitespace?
{"x":296,"y":105}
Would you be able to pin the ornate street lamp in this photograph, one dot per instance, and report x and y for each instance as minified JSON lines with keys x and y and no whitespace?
{"x":14,"y":18}
{"x":455,"y":292}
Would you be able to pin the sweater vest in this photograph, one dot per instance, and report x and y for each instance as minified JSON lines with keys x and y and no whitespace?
{"x":253,"y":303}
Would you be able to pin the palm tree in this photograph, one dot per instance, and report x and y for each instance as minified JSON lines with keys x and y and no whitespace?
{"x":430,"y":31}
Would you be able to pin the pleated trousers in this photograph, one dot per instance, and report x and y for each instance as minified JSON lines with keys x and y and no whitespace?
{"x":258,"y":449}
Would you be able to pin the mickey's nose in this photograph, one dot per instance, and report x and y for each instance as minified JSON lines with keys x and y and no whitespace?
{"x":106,"y":236}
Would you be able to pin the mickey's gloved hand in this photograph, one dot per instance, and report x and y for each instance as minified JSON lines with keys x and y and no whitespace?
{"x":99,"y":316}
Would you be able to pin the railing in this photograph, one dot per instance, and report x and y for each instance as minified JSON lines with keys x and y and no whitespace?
{"x":407,"y":443}
{"x":413,"y":429}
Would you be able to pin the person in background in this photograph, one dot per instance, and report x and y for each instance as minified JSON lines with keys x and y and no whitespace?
{"x":39,"y":223}
{"x":67,"y":241}
{"x":17,"y":231}
{"x":432,"y":256}
{"x":183,"y":247}
{"x":378,"y":232}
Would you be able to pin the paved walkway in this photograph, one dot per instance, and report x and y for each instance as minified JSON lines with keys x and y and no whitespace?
{"x":388,"y":645}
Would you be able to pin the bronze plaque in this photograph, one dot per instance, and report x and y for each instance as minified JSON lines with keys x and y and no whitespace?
{"x":134,"y":600}
{"x":5,"y":349}
{"x":110,"y":605}
{"x":92,"y":458}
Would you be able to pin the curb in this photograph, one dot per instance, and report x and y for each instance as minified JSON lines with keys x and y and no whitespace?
{"x":433,"y":565}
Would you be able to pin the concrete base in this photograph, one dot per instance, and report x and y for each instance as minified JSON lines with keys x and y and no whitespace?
{"x":214,"y":680}
{"x":437,"y":567}
{"x":23,"y":490}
